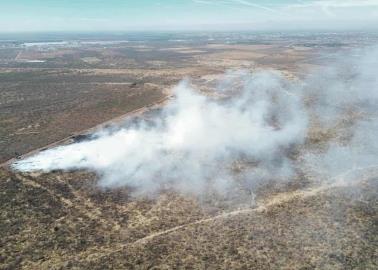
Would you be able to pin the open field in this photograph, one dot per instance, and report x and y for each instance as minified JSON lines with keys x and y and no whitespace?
{"x":55,"y":91}
{"x":77,"y":85}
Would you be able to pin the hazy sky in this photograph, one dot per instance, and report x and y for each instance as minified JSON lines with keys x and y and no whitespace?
{"x":126,"y":15}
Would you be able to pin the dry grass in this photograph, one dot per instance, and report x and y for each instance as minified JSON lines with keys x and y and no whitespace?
{"x":63,"y":220}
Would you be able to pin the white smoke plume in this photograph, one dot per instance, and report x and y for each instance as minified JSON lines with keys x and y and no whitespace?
{"x":194,"y":140}
{"x":246,"y":132}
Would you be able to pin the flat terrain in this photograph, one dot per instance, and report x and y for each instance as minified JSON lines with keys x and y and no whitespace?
{"x":49,"y":90}
{"x":60,"y":221}
{"x":63,"y":220}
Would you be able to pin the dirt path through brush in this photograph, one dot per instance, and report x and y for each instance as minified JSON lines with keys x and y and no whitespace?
{"x":286,"y":197}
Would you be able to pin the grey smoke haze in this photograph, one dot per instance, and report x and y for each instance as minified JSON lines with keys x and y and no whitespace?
{"x":346,"y":101}
{"x":245,"y":134}
{"x":194,"y":140}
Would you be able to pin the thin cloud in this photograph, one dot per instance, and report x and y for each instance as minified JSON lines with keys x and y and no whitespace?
{"x":236,"y":2}
{"x":251,"y":4}
{"x":203,"y":2}
{"x":210,"y":2}
{"x":330,"y":8}
{"x":335,"y":4}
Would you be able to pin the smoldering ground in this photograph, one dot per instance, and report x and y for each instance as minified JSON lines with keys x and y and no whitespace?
{"x":254,"y":128}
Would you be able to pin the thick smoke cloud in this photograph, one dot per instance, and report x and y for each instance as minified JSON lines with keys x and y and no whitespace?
{"x":254,"y":128}
{"x":195,"y":139}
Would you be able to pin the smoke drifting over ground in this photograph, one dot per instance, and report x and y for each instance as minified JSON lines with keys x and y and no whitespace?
{"x":345,"y":104}
{"x":195,"y":139}
{"x":256,"y":127}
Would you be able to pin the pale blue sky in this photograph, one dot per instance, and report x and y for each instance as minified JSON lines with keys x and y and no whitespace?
{"x":129,"y":15}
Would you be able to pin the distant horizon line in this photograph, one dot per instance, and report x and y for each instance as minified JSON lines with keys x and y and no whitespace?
{"x":184,"y":31}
